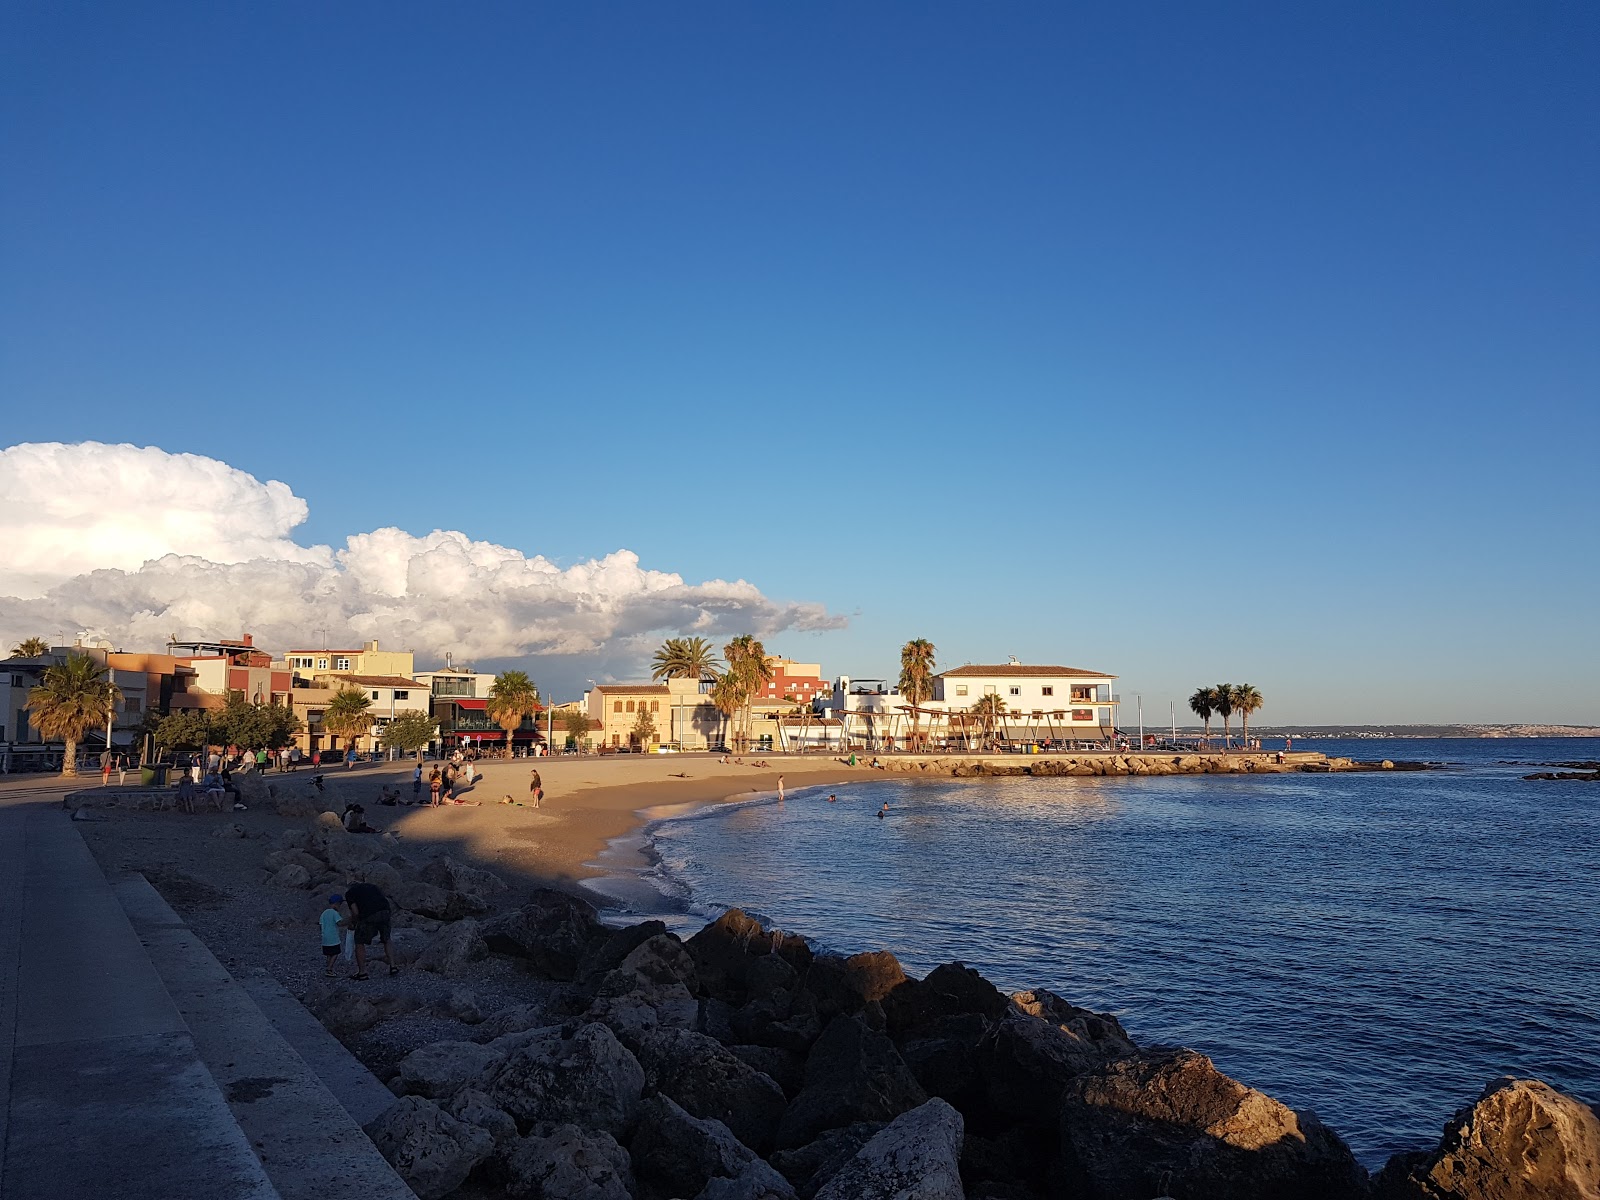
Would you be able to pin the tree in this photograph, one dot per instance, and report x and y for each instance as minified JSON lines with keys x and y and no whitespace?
{"x":728,"y":697}
{"x":186,"y":729}
{"x":748,"y":663}
{"x":254,"y":726}
{"x":644,"y":728}
{"x":577,"y":724}
{"x":408,"y":731}
{"x":1203,"y":704}
{"x":684,"y":658}
{"x":1246,"y":700}
{"x":988,"y":710}
{"x":34,"y":647}
{"x":916,"y":678}
{"x":1222,"y":703}
{"x":512,"y":697}
{"x":73,"y":697}
{"x":349,"y":714}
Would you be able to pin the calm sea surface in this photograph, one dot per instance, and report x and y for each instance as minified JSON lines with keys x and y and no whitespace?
{"x":1375,"y":947}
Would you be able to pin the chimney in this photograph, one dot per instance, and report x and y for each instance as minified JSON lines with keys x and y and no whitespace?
{"x":370,"y":647}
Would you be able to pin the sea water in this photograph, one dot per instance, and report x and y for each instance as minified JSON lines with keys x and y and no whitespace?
{"x":1375,"y":947}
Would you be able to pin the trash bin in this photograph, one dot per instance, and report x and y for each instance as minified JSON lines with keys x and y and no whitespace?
{"x":153,"y":775}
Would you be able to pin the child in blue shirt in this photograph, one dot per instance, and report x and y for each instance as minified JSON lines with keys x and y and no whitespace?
{"x":331,"y":935}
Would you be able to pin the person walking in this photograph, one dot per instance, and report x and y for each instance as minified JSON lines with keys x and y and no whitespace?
{"x":294,"y":758}
{"x":369,"y":913}
{"x":350,"y":757}
{"x":780,"y":789}
{"x":105,"y":767}
{"x":316,"y":759}
{"x":535,"y":788}
{"x":416,"y":783}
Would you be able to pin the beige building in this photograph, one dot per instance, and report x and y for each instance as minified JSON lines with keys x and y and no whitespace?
{"x":681,"y":714}
{"x":369,"y":660}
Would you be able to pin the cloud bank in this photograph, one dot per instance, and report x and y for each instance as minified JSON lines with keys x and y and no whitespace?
{"x":135,"y":545}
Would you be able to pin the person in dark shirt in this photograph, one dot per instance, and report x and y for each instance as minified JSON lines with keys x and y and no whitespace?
{"x":369,"y":910}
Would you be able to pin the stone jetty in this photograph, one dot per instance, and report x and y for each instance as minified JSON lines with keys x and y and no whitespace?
{"x":1102,"y":763}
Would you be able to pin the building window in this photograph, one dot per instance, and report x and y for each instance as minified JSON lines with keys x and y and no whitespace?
{"x":322,"y":664}
{"x":961,"y":689}
{"x":341,"y":664}
{"x":655,"y":706}
{"x":374,"y":695}
{"x":130,"y":704}
{"x":630,"y":705}
{"x":402,"y":695}
{"x":1047,"y":691}
{"x":616,"y":706}
{"x":1016,"y":691}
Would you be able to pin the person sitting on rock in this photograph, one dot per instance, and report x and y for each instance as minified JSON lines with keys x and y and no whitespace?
{"x":355,"y":819}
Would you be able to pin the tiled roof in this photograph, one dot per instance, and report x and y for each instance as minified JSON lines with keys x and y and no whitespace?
{"x":648,"y":689}
{"x":394,"y":681}
{"x":1019,"y":670}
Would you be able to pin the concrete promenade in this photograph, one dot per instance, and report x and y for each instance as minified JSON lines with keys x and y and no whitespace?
{"x":109,"y":1087}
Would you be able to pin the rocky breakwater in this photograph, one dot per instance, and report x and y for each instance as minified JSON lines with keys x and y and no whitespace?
{"x":1134,"y":763}
{"x":740,"y":1064}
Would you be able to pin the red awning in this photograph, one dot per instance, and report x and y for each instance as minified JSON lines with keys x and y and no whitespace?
{"x":464,"y":703}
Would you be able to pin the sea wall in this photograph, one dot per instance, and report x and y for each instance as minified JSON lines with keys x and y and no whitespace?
{"x":1133,"y":763}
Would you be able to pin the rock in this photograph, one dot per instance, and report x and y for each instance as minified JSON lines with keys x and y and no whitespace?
{"x":945,"y":1057}
{"x":462,"y":1005}
{"x":565,"y":1162}
{"x":1101,"y":1030}
{"x":453,"y":950}
{"x":636,"y":1013}
{"x":709,"y":1082}
{"x":1028,"y":1064}
{"x":441,"y":1069}
{"x":428,"y":1148}
{"x":347,"y":854}
{"x":380,"y":874}
{"x":1135,"y":1124}
{"x":346,"y":1008}
{"x":724,"y":950}
{"x":607,"y":954}
{"x":590,"y":1079}
{"x":757,"y":1181}
{"x":455,"y":876}
{"x":813,"y":1164}
{"x":917,"y":1155}
{"x":660,"y":960}
{"x":295,"y":807}
{"x":276,"y":860}
{"x":552,"y":931}
{"x":435,"y":902}
{"x":681,"y":1153}
{"x":1521,"y":1140}
{"x":949,"y":989}
{"x":847,"y":985}
{"x":293,"y":877}
{"x":852,"y":1074}
{"x":516,"y":1019}
{"x":230,"y":830}
{"x":475,"y":1108}
{"x":785,"y":1067}
{"x":405,"y":945}
{"x":326,"y":823}
{"x":86,"y":814}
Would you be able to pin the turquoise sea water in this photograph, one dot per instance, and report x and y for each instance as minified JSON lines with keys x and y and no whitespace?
{"x":1375,"y":947}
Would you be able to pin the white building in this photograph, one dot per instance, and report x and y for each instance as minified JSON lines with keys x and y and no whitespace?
{"x":1039,"y":701}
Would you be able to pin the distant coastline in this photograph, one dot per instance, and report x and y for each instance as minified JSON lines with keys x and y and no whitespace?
{"x":1416,"y":731}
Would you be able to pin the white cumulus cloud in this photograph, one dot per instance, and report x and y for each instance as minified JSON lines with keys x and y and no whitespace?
{"x":135,"y":545}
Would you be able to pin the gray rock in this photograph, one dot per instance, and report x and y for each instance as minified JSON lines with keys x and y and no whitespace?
{"x":565,"y":1162}
{"x":1135,"y":1123}
{"x":346,"y":854}
{"x":1102,"y":1031}
{"x":707,"y":1081}
{"x":784,"y":1067}
{"x":515,"y":1019}
{"x":589,"y":1079}
{"x":552,"y":932}
{"x":634,"y":1014}
{"x":230,"y":830}
{"x":378,"y":873}
{"x":282,"y":857}
{"x":660,"y":960}
{"x":295,"y":806}
{"x":441,"y":1069}
{"x":455,"y":876}
{"x":606,"y":953}
{"x":293,"y":877}
{"x":813,"y":1164}
{"x":462,"y":1004}
{"x":428,"y":1148}
{"x":725,"y":950}
{"x":475,"y":1108}
{"x":345,"y":1008}
{"x":917,"y":1155}
{"x":435,"y":902}
{"x":1028,"y":1064}
{"x":680,"y":1153}
{"x":1521,"y":1140}
{"x":852,"y":1074}
{"x":847,"y":985}
{"x":757,"y":1181}
{"x":453,"y":950}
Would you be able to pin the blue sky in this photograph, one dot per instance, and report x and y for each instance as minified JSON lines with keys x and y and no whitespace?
{"x":1188,"y":342}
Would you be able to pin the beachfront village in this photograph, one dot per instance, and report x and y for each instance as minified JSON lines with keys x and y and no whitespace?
{"x":329,"y":704}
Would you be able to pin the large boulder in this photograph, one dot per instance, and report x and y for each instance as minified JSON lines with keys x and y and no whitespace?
{"x":345,"y":1008}
{"x":1102,"y":1031}
{"x":476,"y":1108}
{"x":948,"y":991}
{"x":852,"y":1074}
{"x":709,"y":1082}
{"x":428,"y":1148}
{"x":812,"y":1165}
{"x":454,"y":949}
{"x":552,"y":932}
{"x":1170,"y":1119}
{"x":344,"y":855}
{"x":455,"y":876}
{"x":1521,"y":1140}
{"x":756,"y":1181}
{"x":439,"y":1070}
{"x":293,"y":877}
{"x":276,"y":860}
{"x":660,"y":960}
{"x":1028,"y":1063}
{"x":848,"y":985}
{"x":588,"y":1079}
{"x":436,"y":902}
{"x":917,"y":1155}
{"x":564,"y":1162}
{"x":633,"y":1014}
{"x":724,"y":950}
{"x":295,"y":806}
{"x":680,"y":1154}
{"x":948,"y":1059}
{"x":607,"y":953}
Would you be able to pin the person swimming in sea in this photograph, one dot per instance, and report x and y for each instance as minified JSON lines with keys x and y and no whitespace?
{"x":882,"y":812}
{"x":832,"y":799}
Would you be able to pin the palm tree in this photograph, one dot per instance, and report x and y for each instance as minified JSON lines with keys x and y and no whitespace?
{"x":1222,"y":703}
{"x":916,"y":679}
{"x":1203,"y":703}
{"x":512,"y":697}
{"x":34,"y":647}
{"x":1246,"y":700}
{"x":728,"y":696}
{"x":74,"y":697}
{"x":684,"y":658}
{"x":348,"y":715}
{"x":989,"y":710}
{"x":748,"y":662}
